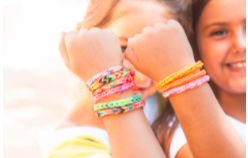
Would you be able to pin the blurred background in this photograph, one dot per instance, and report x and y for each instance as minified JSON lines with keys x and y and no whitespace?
{"x":37,"y":87}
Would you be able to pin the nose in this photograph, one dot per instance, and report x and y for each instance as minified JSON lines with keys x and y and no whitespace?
{"x":240,"y":42}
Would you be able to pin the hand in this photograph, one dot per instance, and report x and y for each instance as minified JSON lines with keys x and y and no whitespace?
{"x":88,"y":52}
{"x":160,"y":50}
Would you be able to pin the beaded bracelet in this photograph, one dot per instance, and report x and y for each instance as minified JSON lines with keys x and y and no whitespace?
{"x":119,"y":110}
{"x":118,"y":103}
{"x":179,"y":74}
{"x":187,"y":86}
{"x":113,"y":91}
{"x":103,"y":74}
{"x":124,"y":72}
{"x":113,"y":84}
{"x":183,"y":80}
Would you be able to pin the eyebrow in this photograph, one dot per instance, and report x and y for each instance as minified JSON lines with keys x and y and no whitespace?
{"x":214,"y":24}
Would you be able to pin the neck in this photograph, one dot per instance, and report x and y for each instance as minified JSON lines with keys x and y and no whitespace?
{"x":233,"y":104}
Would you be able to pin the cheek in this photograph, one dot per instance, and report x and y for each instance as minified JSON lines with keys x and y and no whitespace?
{"x":213,"y":54}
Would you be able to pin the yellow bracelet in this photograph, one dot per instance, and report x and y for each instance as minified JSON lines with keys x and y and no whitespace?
{"x":186,"y":79}
{"x":179,"y":74}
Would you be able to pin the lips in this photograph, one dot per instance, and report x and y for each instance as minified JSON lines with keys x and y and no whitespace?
{"x":237,"y":65}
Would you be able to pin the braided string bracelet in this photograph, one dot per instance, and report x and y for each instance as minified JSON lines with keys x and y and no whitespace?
{"x":113,"y":104}
{"x":102,"y":74}
{"x":124,"y":72}
{"x":113,"y":91}
{"x":184,"y":80}
{"x":179,"y":74}
{"x":119,"y":110}
{"x":113,"y":84}
{"x":187,"y":86}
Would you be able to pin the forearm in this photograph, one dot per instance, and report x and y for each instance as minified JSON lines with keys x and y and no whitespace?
{"x":130,"y":134}
{"x":207,"y":129}
{"x":81,"y":114}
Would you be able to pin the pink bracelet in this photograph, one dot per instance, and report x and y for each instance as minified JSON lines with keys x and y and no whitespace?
{"x":113,"y":91}
{"x":113,"y":84}
{"x":187,"y":86}
{"x":103,"y":74}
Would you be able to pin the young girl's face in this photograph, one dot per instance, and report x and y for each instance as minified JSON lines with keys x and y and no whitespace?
{"x":221,"y":37}
{"x":127,"y":27}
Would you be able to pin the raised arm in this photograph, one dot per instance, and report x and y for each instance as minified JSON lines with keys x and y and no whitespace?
{"x":91,"y":52}
{"x":163,"y":50}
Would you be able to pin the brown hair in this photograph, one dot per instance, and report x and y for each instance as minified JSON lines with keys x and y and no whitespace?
{"x":197,"y":8}
{"x":101,"y":12}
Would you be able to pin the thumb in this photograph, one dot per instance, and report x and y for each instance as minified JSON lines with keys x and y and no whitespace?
{"x":130,"y":55}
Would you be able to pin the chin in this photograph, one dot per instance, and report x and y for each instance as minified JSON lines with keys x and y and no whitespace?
{"x":237,"y":88}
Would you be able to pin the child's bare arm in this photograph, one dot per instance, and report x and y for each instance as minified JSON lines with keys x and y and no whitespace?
{"x":91,"y":52}
{"x":164,"y":49}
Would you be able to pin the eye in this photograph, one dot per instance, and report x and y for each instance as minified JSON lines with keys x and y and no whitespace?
{"x":219,"y":33}
{"x":123,"y":49}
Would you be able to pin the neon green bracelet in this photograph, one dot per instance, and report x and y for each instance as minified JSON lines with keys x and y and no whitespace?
{"x":118,"y":103}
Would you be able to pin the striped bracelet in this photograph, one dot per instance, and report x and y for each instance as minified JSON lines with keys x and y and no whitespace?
{"x":119,"y":110}
{"x":113,"y":104}
{"x":113,"y":91}
{"x":113,"y":84}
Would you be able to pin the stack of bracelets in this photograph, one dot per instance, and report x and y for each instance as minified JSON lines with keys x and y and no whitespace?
{"x":109,"y":82}
{"x":187,"y":78}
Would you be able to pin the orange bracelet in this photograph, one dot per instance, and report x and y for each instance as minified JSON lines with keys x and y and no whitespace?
{"x":179,"y":74}
{"x":184,"y":80}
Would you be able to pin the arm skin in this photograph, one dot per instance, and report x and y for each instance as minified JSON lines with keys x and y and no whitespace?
{"x":208,"y":131}
{"x":130,"y":133}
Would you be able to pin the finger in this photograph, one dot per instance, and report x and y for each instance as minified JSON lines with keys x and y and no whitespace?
{"x":174,"y":23}
{"x":160,"y":26}
{"x":130,"y":55}
{"x":148,"y":31}
{"x":63,"y":51}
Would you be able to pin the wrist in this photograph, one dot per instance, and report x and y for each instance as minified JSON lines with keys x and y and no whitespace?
{"x":176,"y":67}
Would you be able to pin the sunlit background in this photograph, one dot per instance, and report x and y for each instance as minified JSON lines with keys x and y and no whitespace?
{"x":38,"y":89}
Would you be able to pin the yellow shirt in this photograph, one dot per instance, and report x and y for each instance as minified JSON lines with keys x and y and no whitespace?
{"x":81,"y":147}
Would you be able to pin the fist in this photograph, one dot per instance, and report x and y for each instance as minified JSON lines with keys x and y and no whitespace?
{"x":88,"y":52}
{"x":160,"y":50}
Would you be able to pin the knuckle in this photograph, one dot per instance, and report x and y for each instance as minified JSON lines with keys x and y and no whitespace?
{"x":148,"y":31}
{"x":160,"y":26}
{"x":94,"y":30}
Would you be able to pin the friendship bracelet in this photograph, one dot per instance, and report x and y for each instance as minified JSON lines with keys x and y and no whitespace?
{"x":179,"y":74}
{"x":187,"y":86}
{"x":113,"y":84}
{"x":113,"y":91}
{"x":103,"y":74}
{"x":118,"y":103}
{"x":119,"y":110}
{"x":124,"y":72}
{"x":183,"y":80}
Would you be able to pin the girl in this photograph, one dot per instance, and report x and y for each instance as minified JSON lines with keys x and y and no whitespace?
{"x":186,"y":121}
{"x":117,"y":16}
{"x":220,"y":43}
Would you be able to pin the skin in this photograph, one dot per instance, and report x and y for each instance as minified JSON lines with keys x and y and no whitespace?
{"x":221,"y":37}
{"x":222,"y":41}
{"x":123,"y":30}
{"x":205,"y":132}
